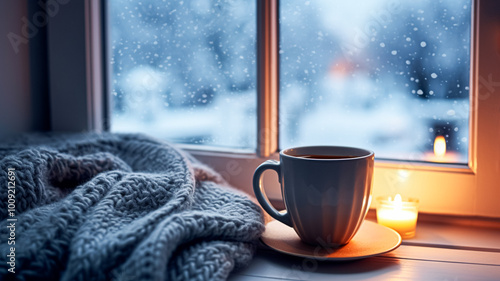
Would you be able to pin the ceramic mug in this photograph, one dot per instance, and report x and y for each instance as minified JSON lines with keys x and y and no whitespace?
{"x":326,"y":191}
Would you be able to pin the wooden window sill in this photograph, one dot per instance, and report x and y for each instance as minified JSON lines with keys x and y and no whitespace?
{"x":444,"y":248}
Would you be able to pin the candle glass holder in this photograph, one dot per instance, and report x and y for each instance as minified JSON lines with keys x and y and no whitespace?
{"x":400,"y":215}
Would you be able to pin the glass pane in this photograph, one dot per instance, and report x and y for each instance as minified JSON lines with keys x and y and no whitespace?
{"x":184,"y":70}
{"x":391,"y":76}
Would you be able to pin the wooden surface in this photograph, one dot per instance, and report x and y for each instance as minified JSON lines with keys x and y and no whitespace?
{"x":439,"y":251}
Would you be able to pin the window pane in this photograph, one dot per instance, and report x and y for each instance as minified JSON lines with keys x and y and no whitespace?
{"x":391,"y":76}
{"x":184,"y":70}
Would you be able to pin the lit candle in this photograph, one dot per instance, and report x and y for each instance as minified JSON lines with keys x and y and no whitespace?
{"x":399,"y":215}
{"x":440,"y":153}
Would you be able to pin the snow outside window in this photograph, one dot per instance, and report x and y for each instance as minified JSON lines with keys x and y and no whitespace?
{"x":391,"y":76}
{"x":185,"y":70}
{"x":387,"y":75}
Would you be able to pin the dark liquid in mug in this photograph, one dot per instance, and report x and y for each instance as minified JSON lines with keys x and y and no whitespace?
{"x":312,"y":156}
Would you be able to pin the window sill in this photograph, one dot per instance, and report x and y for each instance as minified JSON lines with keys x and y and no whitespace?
{"x":444,"y":248}
{"x":451,"y":192}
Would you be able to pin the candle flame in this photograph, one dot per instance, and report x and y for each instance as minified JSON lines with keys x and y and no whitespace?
{"x":439,"y":146}
{"x":398,"y":202}
{"x":398,"y":198}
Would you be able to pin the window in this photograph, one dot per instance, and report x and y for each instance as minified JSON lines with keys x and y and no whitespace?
{"x":391,"y":76}
{"x":185,"y":70}
{"x":180,"y":69}
{"x":78,"y":90}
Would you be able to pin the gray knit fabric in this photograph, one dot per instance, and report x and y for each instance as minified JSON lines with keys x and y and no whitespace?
{"x":120,"y":207}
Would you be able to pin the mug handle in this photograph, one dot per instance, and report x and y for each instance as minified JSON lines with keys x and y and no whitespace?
{"x":259,"y":191}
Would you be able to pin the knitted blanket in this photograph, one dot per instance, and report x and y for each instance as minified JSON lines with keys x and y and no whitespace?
{"x":118,"y":207}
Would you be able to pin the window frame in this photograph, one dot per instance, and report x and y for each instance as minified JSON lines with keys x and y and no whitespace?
{"x":76,"y":65}
{"x":442,"y":189}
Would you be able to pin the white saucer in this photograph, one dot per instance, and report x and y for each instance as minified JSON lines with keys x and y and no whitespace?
{"x":371,"y":239}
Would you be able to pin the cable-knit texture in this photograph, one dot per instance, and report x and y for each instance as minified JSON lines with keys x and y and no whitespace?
{"x":121,"y":207}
